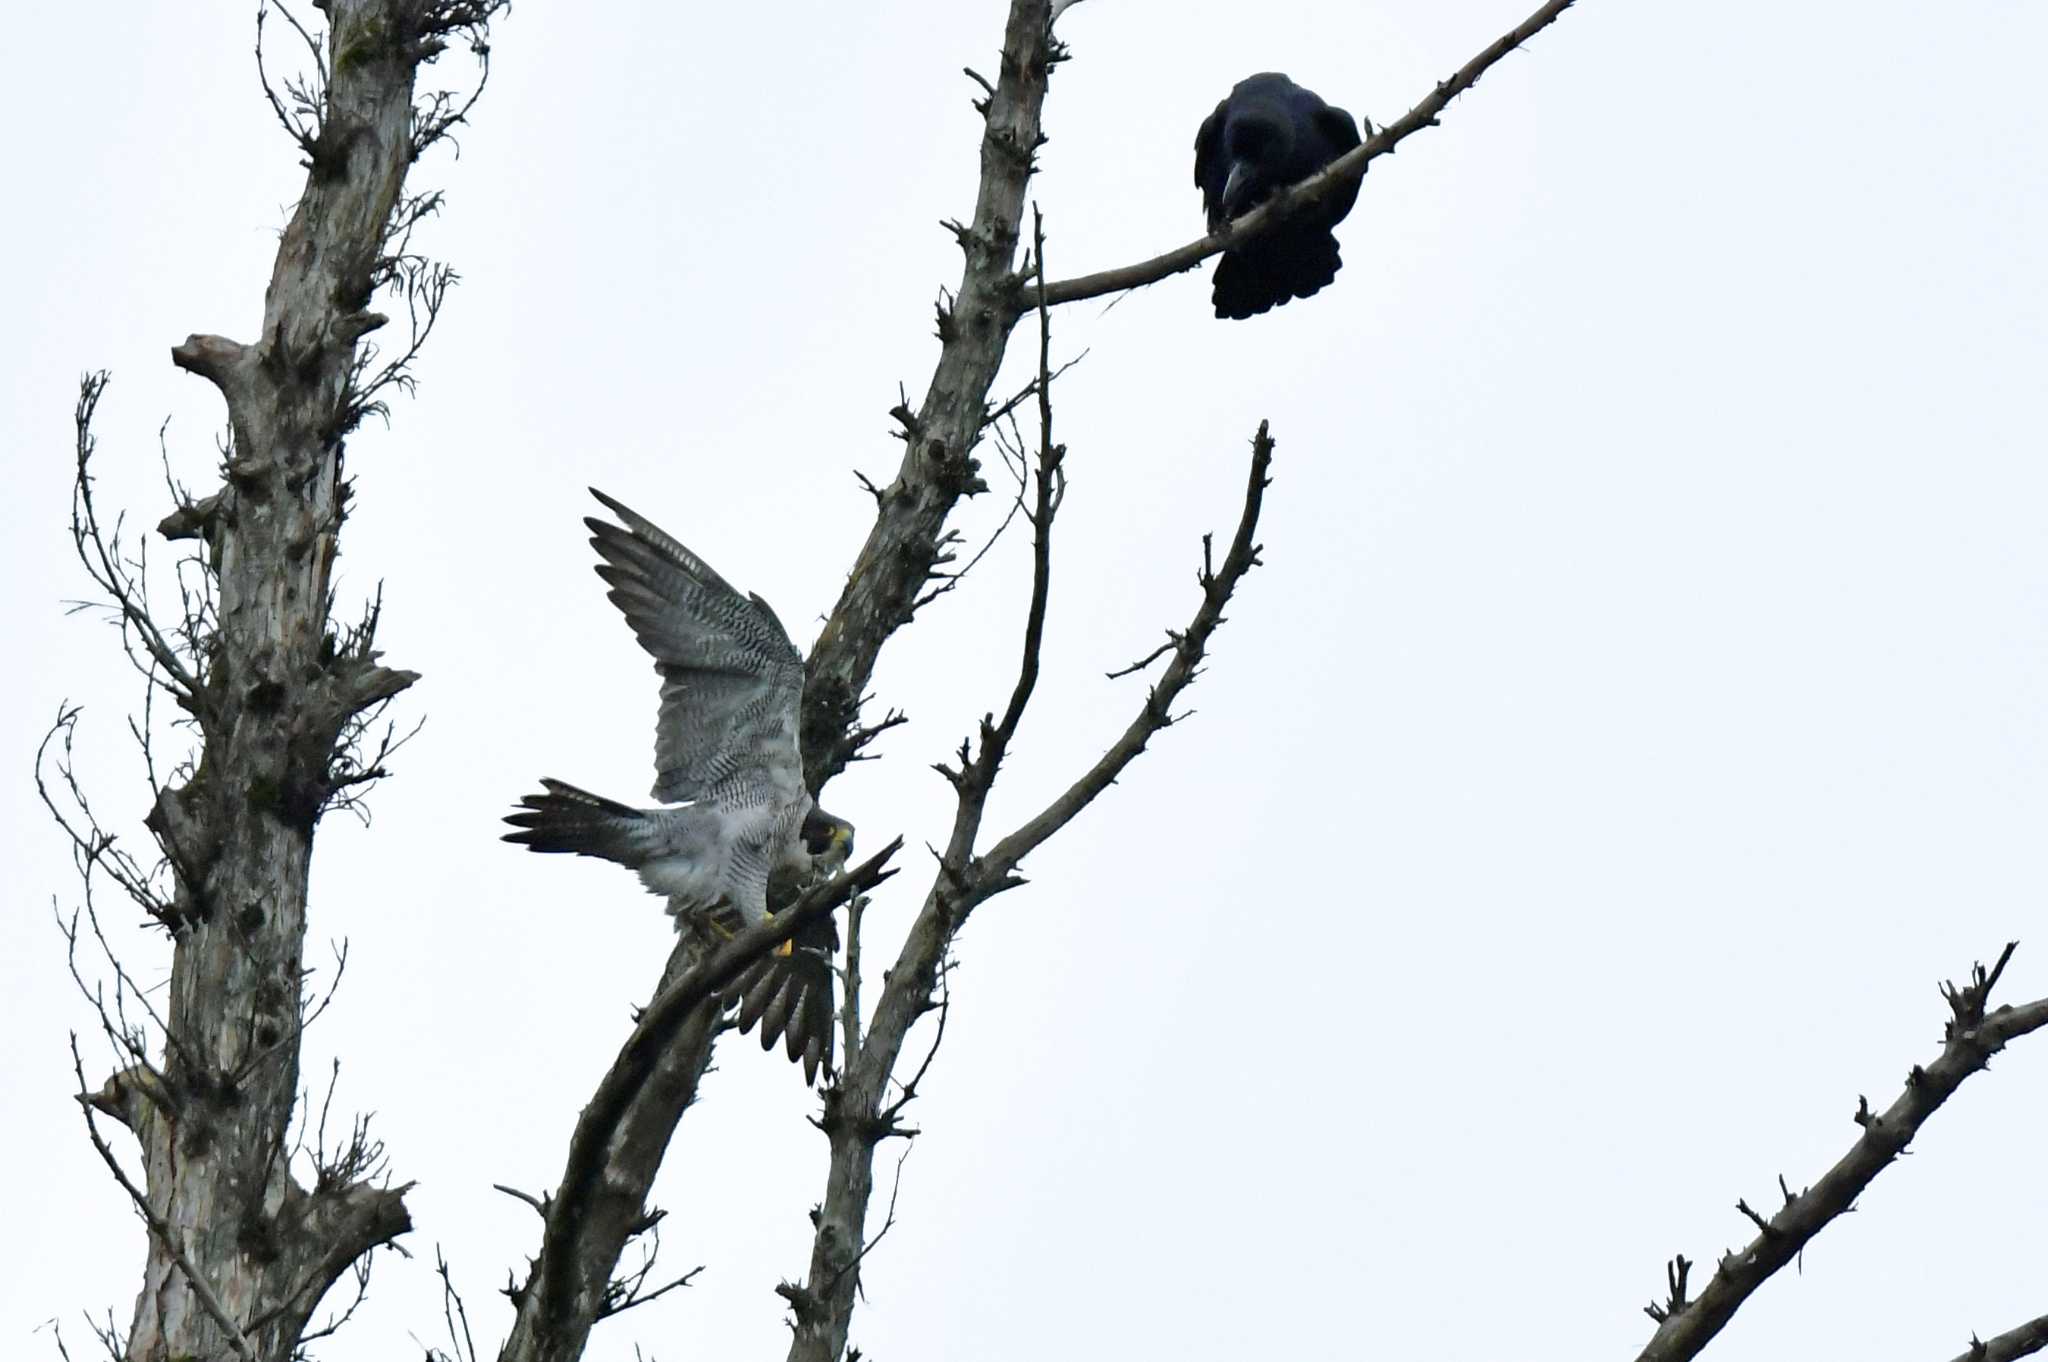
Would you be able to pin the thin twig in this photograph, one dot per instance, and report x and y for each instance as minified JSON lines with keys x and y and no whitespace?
{"x":126,"y":593}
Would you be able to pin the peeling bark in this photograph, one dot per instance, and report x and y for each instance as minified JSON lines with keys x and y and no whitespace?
{"x":240,"y":1253}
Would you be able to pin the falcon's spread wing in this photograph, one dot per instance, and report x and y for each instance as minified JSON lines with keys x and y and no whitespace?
{"x":731,"y":681}
{"x":791,"y":997}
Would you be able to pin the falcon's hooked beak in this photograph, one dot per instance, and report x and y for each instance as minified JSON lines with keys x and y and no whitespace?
{"x":838,"y":848}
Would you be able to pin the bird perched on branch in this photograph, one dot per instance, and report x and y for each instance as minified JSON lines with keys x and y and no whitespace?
{"x":1271,"y":133}
{"x":727,"y":769}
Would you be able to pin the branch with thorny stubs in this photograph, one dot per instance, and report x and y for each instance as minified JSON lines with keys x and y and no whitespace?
{"x":1973,"y":1035}
{"x":2025,"y":1341}
{"x":857,"y":1117}
{"x":1346,"y":169}
{"x":895,"y":566}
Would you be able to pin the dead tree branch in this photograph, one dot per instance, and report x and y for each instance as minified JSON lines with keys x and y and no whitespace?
{"x":1347,"y":169}
{"x":630,"y":1290}
{"x":1972,"y":1036}
{"x":596,"y":1209}
{"x":997,"y":867}
{"x":2025,"y":1341}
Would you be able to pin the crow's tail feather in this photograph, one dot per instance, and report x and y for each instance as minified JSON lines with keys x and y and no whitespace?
{"x":1273,"y":270}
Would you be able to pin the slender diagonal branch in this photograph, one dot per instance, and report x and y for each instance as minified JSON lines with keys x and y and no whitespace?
{"x":1188,"y":648}
{"x":1973,"y":1037}
{"x":1347,"y":169}
{"x":2025,"y":1341}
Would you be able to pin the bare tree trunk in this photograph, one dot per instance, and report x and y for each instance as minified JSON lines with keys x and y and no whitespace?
{"x":240,"y":1252}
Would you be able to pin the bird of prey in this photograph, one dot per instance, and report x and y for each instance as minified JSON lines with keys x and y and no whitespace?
{"x":727,"y":770}
{"x":1271,"y":133}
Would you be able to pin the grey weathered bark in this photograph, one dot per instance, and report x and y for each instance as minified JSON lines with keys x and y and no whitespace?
{"x":939,"y":439}
{"x":2024,"y":1341}
{"x":240,"y":1252}
{"x":1975,"y":1033}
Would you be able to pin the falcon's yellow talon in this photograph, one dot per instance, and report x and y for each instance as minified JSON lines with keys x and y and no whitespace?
{"x":786,"y":949}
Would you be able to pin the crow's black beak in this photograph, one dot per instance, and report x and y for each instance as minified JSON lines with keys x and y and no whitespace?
{"x":1232,"y":188}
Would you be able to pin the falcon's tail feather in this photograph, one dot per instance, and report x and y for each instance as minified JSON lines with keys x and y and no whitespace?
{"x":564,"y":818}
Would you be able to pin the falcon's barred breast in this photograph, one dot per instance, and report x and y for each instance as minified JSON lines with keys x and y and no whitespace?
{"x":727,"y":769}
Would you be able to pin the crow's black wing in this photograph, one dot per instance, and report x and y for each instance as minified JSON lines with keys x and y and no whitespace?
{"x":1212,"y":166}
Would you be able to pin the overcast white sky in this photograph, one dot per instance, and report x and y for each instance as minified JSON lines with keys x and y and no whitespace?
{"x":1641,"y":710}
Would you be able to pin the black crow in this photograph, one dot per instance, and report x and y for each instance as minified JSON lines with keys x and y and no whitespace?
{"x":1271,"y":133}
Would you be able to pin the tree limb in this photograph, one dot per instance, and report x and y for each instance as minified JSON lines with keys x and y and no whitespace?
{"x":610,"y":1161}
{"x":1972,"y":1037}
{"x":2025,"y":1341}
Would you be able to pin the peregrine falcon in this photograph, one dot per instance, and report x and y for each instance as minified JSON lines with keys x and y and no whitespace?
{"x":1268,"y":134}
{"x":727,"y":770}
